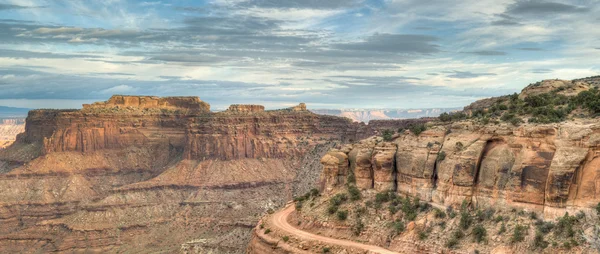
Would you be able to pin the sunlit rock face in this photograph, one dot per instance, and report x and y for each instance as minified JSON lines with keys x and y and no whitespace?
{"x":550,"y":168}
{"x":155,"y":174}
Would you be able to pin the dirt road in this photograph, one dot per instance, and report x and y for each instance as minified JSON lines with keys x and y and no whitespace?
{"x":280,"y":220}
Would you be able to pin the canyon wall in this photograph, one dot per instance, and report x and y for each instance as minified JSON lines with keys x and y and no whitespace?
{"x":157,"y":174}
{"x":9,"y":128}
{"x":550,"y":169}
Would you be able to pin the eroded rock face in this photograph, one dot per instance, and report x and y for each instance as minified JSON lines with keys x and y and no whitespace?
{"x":153,"y":174}
{"x":549,"y":169}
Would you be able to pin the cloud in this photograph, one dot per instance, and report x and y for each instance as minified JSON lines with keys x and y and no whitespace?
{"x":467,"y":74}
{"x":394,"y":43}
{"x":4,"y":7}
{"x":531,"y":49}
{"x":541,"y":71}
{"x":120,"y":89}
{"x":301,"y":4}
{"x":540,"y":7}
{"x":35,"y":54}
{"x":487,"y":53}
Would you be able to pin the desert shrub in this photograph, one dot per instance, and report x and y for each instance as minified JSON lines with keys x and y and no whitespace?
{"x":398,"y":227}
{"x":314,"y":192}
{"x":539,"y":242}
{"x":338,"y":199}
{"x":498,"y":218}
{"x":502,"y":228}
{"x":342,"y":215}
{"x":518,"y":234}
{"x":351,"y":178}
{"x":267,"y":231}
{"x":332,"y":209}
{"x":423,"y":235}
{"x":439,"y":213}
{"x":564,"y":226}
{"x":598,"y":209}
{"x":451,"y":243}
{"x":479,"y":233}
{"x":354,"y":192}
{"x":417,"y":129}
{"x":299,"y":205}
{"x":358,"y":227}
{"x":387,"y":135}
{"x":393,"y":209}
{"x":384,"y":196}
{"x":285,"y":238}
{"x":465,"y":220}
{"x":533,"y":215}
{"x":445,"y":117}
{"x":441,"y":156}
{"x":544,"y":227}
{"x":326,"y":250}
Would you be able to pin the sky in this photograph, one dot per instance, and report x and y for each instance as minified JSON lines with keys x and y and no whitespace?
{"x":329,"y":54}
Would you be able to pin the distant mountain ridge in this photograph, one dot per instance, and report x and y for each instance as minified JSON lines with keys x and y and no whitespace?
{"x":365,"y":115}
{"x":11,"y":112}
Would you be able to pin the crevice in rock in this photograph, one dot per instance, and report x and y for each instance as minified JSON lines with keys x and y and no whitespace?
{"x":488,"y":146}
{"x":395,"y":170}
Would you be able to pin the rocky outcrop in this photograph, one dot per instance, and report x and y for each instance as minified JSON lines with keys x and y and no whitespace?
{"x":549,"y":169}
{"x":156,"y":174}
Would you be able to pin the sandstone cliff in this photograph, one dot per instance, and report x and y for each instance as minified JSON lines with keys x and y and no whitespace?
{"x":156,"y":174}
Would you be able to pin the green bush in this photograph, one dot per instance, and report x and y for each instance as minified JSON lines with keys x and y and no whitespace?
{"x":465,"y":220}
{"x":342,"y":215}
{"x":439,"y":214}
{"x":451,"y":243}
{"x":314,"y":192}
{"x":539,"y":242}
{"x":598,"y":209}
{"x":285,"y":238}
{"x":544,"y":227}
{"x":498,"y":218}
{"x":267,"y":231}
{"x":564,"y":226}
{"x":518,"y":234}
{"x":387,"y":135}
{"x":398,"y":227}
{"x":441,"y":156}
{"x":326,"y":249}
{"x":502,"y":229}
{"x":338,"y":199}
{"x":417,"y":129}
{"x":354,"y":192}
{"x":299,"y":205}
{"x":332,"y":209}
{"x":358,"y":227}
{"x":423,"y":235}
{"x":479,"y":233}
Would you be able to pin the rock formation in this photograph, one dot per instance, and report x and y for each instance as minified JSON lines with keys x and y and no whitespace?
{"x":549,"y":168}
{"x":156,"y":174}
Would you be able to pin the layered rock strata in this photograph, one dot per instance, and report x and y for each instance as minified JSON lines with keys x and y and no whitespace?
{"x":156,"y":174}
{"x":550,"y":169}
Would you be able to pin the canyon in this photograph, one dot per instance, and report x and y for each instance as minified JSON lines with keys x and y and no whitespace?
{"x":157,"y":174}
{"x":547,"y":171}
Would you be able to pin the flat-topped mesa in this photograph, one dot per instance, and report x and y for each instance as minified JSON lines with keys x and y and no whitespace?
{"x":245,"y":108}
{"x":146,"y":102}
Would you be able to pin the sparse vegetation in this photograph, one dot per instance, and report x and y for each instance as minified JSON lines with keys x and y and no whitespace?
{"x":418,"y":128}
{"x":267,"y":231}
{"x":326,"y":249}
{"x":479,"y":233}
{"x":387,"y":135}
{"x":285,"y":238}
{"x":518,"y":234}
{"x":342,"y":215}
{"x":354,"y":192}
{"x":441,"y":156}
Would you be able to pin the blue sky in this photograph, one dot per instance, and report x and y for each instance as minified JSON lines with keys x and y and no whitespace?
{"x":329,"y":54}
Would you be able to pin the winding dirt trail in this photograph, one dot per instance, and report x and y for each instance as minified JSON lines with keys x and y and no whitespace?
{"x":279,"y":220}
